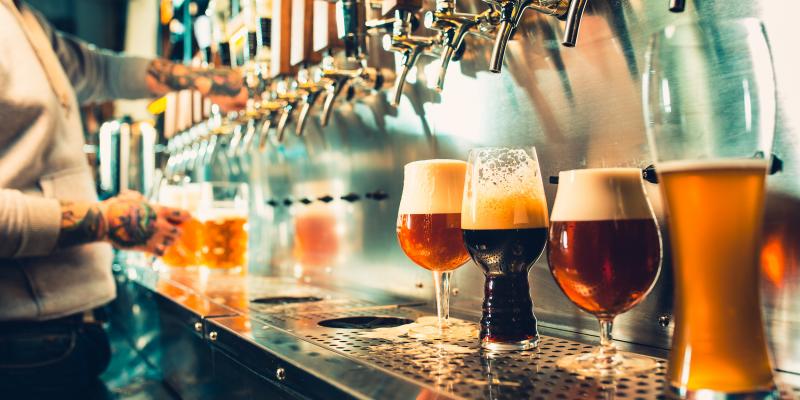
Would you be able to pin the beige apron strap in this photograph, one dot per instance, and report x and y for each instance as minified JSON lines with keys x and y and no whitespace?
{"x":44,"y":52}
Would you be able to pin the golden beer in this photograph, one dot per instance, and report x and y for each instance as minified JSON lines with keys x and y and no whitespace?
{"x":225,"y":241}
{"x":186,"y":251}
{"x":715,"y":211}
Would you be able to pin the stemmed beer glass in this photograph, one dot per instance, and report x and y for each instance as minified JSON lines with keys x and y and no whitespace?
{"x":709,"y":105}
{"x":504,"y":221}
{"x":429,"y":228}
{"x":605,"y":254}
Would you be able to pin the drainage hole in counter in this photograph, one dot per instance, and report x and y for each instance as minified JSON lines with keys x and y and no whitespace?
{"x":366,"y":322}
{"x":285,"y":300}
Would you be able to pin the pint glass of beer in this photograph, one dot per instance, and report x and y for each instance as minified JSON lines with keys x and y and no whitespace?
{"x":504,"y":223}
{"x":223,"y":212}
{"x":429,"y":226}
{"x":186,"y":251}
{"x":709,"y":104}
{"x":604,"y":252}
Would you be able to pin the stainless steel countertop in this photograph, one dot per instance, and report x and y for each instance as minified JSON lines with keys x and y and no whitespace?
{"x":284,"y":343}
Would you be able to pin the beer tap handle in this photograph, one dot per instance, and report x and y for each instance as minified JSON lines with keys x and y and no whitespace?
{"x":573,"y":22}
{"x":677,"y":6}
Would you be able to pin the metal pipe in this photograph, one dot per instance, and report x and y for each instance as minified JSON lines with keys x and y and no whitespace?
{"x":573,"y":22}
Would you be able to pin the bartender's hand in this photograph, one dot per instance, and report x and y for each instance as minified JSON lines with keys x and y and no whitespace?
{"x":127,"y":221}
{"x":224,"y":86}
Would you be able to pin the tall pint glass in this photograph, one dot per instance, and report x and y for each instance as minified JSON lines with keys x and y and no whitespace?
{"x":186,"y":251}
{"x":223,"y":212}
{"x":709,"y":104}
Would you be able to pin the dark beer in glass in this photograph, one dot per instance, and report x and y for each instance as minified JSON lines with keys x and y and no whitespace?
{"x":504,"y":223}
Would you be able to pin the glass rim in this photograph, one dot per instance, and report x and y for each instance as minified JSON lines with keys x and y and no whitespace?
{"x":580,"y":171}
{"x":435,"y":161}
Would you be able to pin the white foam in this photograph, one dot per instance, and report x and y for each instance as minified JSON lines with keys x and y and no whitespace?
{"x":192,"y":194}
{"x":170,"y":195}
{"x":433,"y":187}
{"x":505,"y":193}
{"x":688,"y":165}
{"x":601,"y":194}
{"x":221,"y":212}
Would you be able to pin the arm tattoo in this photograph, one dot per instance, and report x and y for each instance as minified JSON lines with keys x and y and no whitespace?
{"x":80,"y":223}
{"x":219,"y":81}
{"x":131,"y":223}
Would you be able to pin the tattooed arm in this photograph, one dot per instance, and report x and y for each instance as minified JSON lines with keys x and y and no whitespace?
{"x":127,"y":221}
{"x":224,"y":86}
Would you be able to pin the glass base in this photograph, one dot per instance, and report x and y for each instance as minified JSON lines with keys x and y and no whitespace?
{"x":427,"y":328}
{"x":620,"y":364}
{"x":525,"y":344}
{"x":708,"y":394}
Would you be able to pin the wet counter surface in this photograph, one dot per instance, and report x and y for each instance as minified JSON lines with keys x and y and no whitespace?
{"x":272,"y":327}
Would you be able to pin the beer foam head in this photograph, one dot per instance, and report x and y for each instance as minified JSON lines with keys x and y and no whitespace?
{"x":727,"y":164}
{"x":503,"y":190}
{"x":433,"y":187}
{"x":601,"y":194}
{"x":170,"y":195}
{"x":192,"y":193}
{"x":221,"y":212}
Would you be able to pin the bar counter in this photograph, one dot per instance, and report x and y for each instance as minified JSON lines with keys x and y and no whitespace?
{"x":246,"y":336}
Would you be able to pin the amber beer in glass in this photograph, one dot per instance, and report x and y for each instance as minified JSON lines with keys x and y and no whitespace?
{"x":429,"y":224}
{"x":709,"y":104}
{"x":504,"y":223}
{"x":605,"y":254}
{"x":223,"y":212}
{"x":186,"y":251}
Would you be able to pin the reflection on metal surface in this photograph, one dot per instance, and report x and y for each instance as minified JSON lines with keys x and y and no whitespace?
{"x":381,"y":363}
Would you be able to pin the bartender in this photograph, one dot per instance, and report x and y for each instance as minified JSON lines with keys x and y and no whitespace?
{"x":55,"y":236}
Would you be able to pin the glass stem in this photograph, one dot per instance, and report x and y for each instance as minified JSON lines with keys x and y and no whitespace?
{"x":441,"y":282}
{"x":607,"y":352}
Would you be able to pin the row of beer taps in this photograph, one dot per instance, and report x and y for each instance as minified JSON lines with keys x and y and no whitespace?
{"x":221,"y":144}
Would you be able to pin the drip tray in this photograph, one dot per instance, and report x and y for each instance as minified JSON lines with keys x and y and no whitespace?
{"x":283,"y":300}
{"x":364,"y":322}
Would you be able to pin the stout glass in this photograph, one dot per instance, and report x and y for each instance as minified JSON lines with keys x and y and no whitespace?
{"x":429,"y":225}
{"x":605,"y":254}
{"x":710,"y":109}
{"x":504,"y":223}
{"x":223,"y":212}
